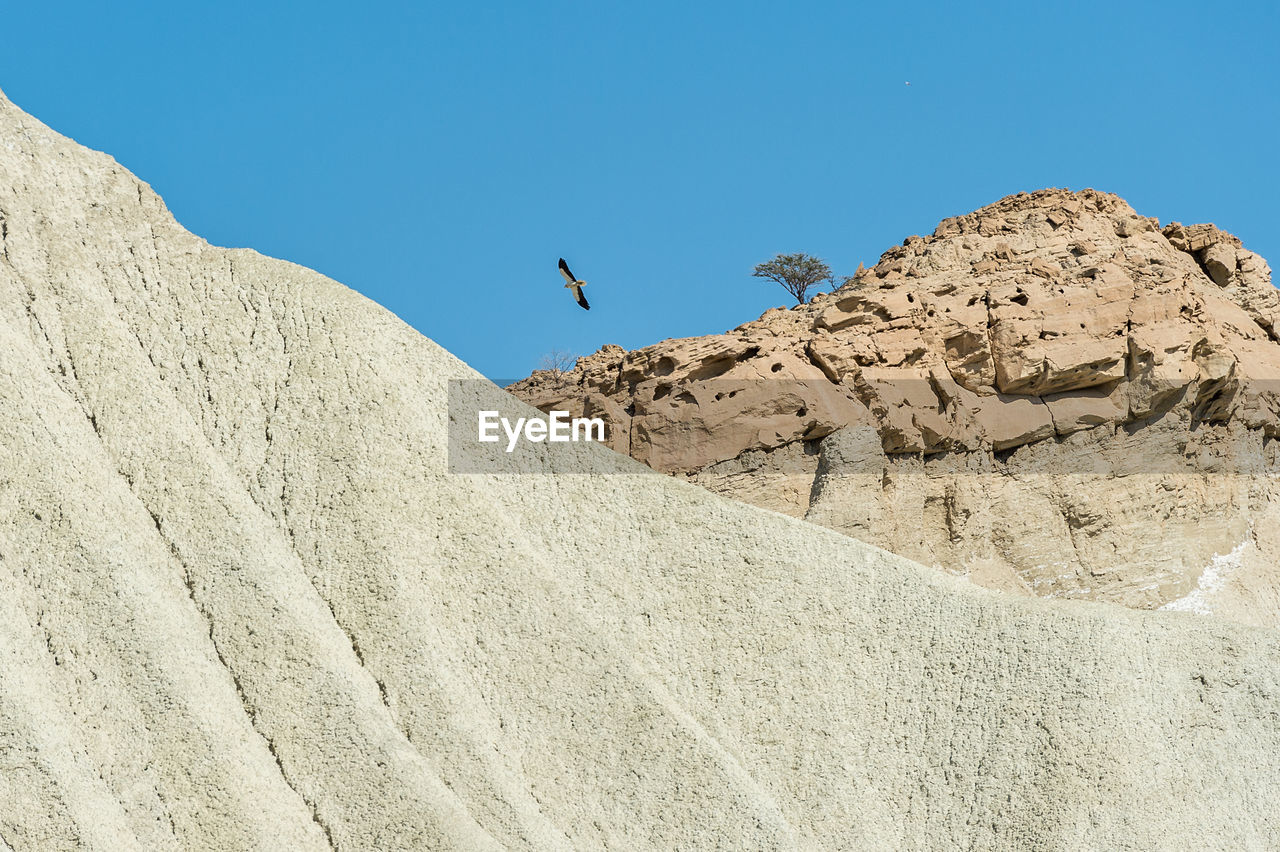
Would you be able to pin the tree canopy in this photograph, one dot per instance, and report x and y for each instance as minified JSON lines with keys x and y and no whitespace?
{"x":795,"y":272}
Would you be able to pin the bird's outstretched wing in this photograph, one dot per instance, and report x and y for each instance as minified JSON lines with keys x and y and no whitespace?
{"x":564,"y":270}
{"x":582,"y":300}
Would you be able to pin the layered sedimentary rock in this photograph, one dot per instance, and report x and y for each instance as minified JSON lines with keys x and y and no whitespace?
{"x":244,"y":604}
{"x":1052,"y":395}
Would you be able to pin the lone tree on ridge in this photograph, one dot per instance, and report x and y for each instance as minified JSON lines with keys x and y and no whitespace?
{"x":795,"y":272}
{"x":559,"y":364}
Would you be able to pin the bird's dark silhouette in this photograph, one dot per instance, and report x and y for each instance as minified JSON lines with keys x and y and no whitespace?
{"x":575,"y":286}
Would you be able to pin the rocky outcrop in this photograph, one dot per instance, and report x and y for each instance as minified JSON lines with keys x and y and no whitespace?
{"x":1051,"y":350}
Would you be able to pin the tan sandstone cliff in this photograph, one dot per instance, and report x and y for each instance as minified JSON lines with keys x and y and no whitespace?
{"x":1051,"y":395}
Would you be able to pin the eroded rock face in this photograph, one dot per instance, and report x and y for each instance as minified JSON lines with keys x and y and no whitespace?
{"x":1039,"y":337}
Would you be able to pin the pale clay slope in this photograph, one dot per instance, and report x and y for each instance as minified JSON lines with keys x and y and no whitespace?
{"x":245,"y":607}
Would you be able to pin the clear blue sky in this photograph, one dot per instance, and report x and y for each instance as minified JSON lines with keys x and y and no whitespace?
{"x":440,"y":157}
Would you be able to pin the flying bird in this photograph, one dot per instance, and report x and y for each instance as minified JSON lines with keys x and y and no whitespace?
{"x":574,"y":285}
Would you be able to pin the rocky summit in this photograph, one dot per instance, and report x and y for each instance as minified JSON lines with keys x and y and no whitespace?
{"x":1053,"y":395}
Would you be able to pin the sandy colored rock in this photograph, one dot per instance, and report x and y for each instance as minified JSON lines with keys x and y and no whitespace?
{"x":1042,"y":317}
{"x":247,"y":606}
